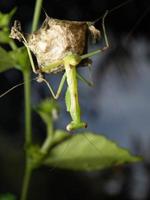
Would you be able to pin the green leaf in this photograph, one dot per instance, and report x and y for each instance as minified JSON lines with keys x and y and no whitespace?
{"x":5,"y":18}
{"x":4,"y":36}
{"x":4,"y":26}
{"x":7,"y":196}
{"x":47,"y":110}
{"x":6,"y":61}
{"x":17,"y":58}
{"x":60,"y":136}
{"x":88,"y":152}
{"x":20,"y":58}
{"x":67,"y":100}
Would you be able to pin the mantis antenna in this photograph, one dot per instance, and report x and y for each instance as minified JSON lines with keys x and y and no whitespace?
{"x":114,"y":9}
{"x":9,"y":90}
{"x":13,"y":88}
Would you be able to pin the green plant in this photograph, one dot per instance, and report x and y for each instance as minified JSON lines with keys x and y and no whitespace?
{"x":85,"y":151}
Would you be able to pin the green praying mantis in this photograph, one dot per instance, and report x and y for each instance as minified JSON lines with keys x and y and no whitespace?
{"x":60,"y":45}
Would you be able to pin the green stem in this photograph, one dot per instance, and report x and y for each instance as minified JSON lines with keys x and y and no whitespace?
{"x":26,"y":180}
{"x":27,"y":86}
{"x":36,"y":16}
{"x":12,"y":44}
{"x":47,"y":143}
{"x":27,"y":93}
{"x":27,"y":96}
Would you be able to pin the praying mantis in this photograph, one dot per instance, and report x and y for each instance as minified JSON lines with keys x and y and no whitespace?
{"x":60,"y":45}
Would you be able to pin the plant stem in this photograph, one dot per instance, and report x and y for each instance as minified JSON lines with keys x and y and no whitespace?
{"x":27,"y":96}
{"x":12,"y":44}
{"x":27,"y":78}
{"x":26,"y":180}
{"x":37,"y":12}
{"x":47,"y":143}
{"x":27,"y":85}
{"x":27,"y":93}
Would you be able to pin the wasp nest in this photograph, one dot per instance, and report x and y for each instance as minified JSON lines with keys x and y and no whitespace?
{"x":56,"y":38}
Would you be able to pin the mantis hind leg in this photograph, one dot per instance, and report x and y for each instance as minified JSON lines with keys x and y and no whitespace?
{"x":106,"y":46}
{"x":55,"y":96}
{"x":80,"y":77}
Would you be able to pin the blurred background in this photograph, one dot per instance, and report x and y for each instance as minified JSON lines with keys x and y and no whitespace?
{"x":117,"y":106}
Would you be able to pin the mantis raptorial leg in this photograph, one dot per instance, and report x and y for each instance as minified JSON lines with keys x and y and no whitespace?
{"x":70,"y":63}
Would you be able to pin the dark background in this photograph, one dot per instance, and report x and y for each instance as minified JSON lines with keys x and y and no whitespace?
{"x":128,"y":32}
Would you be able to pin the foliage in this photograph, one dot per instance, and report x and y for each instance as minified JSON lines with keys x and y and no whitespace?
{"x":88,"y":152}
{"x":17,"y":58}
{"x":6,"y":62}
{"x":4,"y":26}
{"x":7,"y":196}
